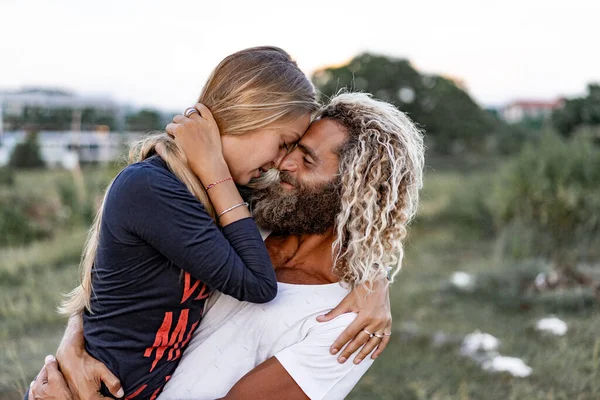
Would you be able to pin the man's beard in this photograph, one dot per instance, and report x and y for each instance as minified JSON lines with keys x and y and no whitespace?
{"x":301,"y":210}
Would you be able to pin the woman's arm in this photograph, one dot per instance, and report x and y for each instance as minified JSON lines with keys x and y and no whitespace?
{"x":199,"y":137}
{"x":372,"y":304}
{"x":152,"y":205}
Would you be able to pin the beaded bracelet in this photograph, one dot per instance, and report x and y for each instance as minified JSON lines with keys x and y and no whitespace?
{"x":232,"y":208}
{"x":217,"y":182}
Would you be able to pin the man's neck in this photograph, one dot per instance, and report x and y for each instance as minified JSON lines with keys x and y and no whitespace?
{"x":303,"y":259}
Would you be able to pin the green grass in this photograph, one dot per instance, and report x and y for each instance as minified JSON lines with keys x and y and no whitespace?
{"x":413,"y":368}
{"x":33,"y":277}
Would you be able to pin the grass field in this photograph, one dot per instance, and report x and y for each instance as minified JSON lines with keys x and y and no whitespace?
{"x":425,"y":307}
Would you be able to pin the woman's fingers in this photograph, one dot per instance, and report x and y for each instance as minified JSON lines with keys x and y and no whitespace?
{"x":384,"y":342}
{"x":382,"y":345}
{"x":170,"y":129}
{"x":340,"y":309}
{"x":179,"y":119}
{"x":350,"y":333}
{"x":204,"y":112}
{"x":362,"y":338}
{"x":368,"y":348}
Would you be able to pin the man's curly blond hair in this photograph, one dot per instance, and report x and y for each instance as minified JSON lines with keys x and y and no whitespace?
{"x":381,"y":172}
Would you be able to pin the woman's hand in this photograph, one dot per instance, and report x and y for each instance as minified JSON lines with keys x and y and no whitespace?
{"x":49,"y":384}
{"x":374,"y":317}
{"x":83,"y":373}
{"x":199,"y":137}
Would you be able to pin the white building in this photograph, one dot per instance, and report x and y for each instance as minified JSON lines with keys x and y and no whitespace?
{"x":14,"y":103}
{"x":521,"y":110}
{"x":64,"y":149}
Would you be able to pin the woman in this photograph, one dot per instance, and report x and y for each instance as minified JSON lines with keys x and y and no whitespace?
{"x":156,"y":250}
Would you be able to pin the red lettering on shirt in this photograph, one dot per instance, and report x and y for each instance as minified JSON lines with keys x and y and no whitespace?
{"x":188,"y":288}
{"x":136,"y":393}
{"x":163,"y":340}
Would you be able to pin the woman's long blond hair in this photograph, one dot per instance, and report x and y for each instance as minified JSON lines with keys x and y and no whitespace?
{"x":248,"y":90}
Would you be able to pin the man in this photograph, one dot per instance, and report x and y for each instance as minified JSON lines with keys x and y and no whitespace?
{"x":338,"y":217}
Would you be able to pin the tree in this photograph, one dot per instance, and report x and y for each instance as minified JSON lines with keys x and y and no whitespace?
{"x":446,"y":111}
{"x":578,"y":111}
{"x":27,"y":155}
{"x":144,"y":120}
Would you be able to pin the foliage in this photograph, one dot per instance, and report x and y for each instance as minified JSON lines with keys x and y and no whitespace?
{"x":578,"y":111}
{"x":61,"y":118}
{"x":39,"y":202}
{"x":470,"y":208}
{"x":7,"y":176}
{"x":550,"y":195}
{"x":27,"y":154}
{"x":446,"y":111}
{"x":24,"y":218}
{"x":144,"y":120}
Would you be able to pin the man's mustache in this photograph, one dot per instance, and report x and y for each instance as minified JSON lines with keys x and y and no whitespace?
{"x":288,"y":178}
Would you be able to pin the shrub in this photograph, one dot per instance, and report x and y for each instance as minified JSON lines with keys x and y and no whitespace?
{"x":550,"y":196}
{"x":27,"y":154}
{"x":7,"y":177}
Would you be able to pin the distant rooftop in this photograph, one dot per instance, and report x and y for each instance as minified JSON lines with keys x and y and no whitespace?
{"x":14,"y":101}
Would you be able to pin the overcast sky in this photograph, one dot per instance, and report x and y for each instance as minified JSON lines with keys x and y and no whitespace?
{"x":159,"y":53}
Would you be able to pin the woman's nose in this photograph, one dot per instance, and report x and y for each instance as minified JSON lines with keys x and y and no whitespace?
{"x":280,"y":157}
{"x":268,"y":166}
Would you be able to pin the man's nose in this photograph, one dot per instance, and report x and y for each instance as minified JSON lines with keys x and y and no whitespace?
{"x":288,"y":163}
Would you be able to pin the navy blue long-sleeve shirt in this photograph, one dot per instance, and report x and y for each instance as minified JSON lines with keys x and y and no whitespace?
{"x":159,"y":253}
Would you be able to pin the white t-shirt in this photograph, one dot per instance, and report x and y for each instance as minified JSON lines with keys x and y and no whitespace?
{"x":234,"y":337}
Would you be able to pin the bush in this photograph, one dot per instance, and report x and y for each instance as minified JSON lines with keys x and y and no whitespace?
{"x":27,"y":154}
{"x":550,"y":196}
{"x":469,"y":206}
{"x":7,"y":177}
{"x":24,"y":219}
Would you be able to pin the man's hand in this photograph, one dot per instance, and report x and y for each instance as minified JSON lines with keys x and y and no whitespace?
{"x":82,"y":372}
{"x":372,"y":327}
{"x":85,"y":375}
{"x":49,"y":384}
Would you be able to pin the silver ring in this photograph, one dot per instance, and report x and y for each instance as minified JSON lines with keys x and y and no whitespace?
{"x":387,"y":334}
{"x":189,"y":111}
{"x":368,"y":333}
{"x":380,"y":336}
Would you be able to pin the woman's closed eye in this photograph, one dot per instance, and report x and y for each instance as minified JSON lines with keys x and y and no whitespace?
{"x":289,"y":147}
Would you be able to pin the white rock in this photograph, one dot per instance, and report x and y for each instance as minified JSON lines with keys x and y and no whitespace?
{"x":512,"y":365}
{"x":479,"y":342}
{"x":553,"y":325}
{"x":540,"y":280}
{"x":462,"y":280}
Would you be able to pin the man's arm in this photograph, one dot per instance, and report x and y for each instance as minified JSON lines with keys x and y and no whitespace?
{"x":304,"y":370}
{"x":268,"y":381}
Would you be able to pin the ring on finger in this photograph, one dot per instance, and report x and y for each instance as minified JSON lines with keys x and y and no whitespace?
{"x":379,"y":335}
{"x":387,"y":334}
{"x":189,"y":111}
{"x":368,"y":333}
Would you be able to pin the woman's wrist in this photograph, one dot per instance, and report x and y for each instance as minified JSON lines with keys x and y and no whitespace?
{"x":211,"y":171}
